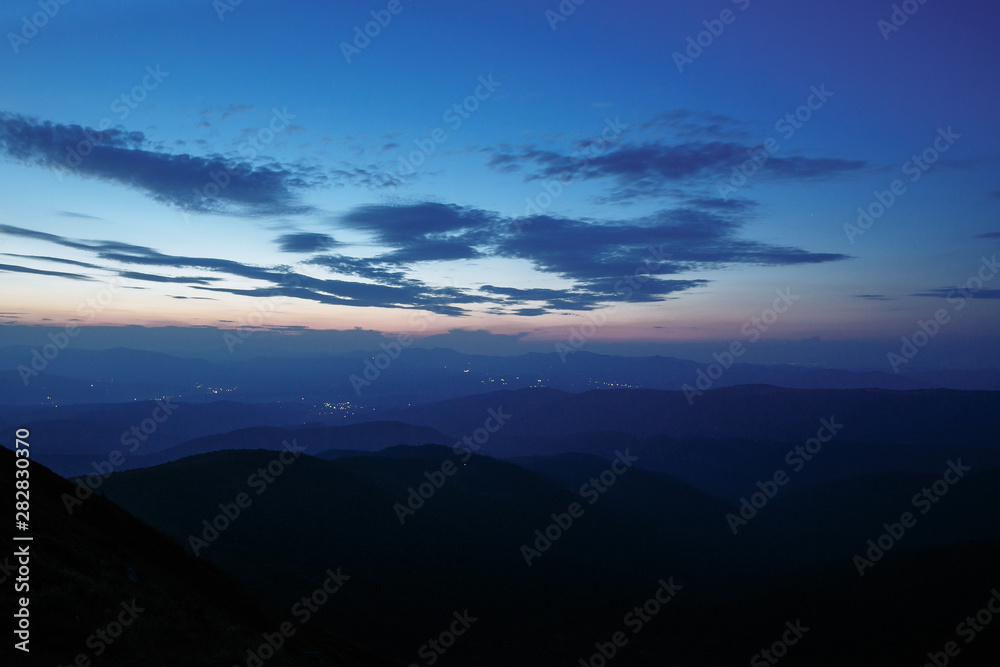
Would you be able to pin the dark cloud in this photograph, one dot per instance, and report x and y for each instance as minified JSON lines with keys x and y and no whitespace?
{"x":424,"y":232}
{"x":639,"y":260}
{"x":13,"y":268}
{"x":60,"y":260}
{"x":369,"y":176}
{"x":654,"y":168}
{"x":305,"y":242}
{"x":236,"y":110}
{"x":989,"y":235}
{"x":189,"y":280}
{"x":553,"y":299}
{"x":873,"y":297}
{"x":194,"y":183}
{"x":532,"y":294}
{"x":72,"y":214}
{"x":363,"y":268}
{"x":606,"y":261}
{"x":600,"y":255}
{"x":409,"y":294}
{"x":945,"y":292}
{"x":417,"y":222}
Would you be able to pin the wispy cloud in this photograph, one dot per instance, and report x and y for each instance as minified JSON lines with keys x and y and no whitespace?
{"x":305,"y":242}
{"x":210,"y":183}
{"x":73,"y":214}
{"x":653,"y":169}
{"x":13,"y":268}
{"x":944,"y":292}
{"x":595,"y":256}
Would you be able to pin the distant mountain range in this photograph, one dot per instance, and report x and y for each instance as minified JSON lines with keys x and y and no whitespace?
{"x":541,"y":517}
{"x":375,"y":379}
{"x":718,"y":444}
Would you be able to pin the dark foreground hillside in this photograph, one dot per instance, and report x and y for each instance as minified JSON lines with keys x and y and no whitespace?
{"x":647,"y":535}
{"x":101,"y":567}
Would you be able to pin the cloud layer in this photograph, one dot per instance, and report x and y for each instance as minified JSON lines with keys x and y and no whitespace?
{"x":605,"y":261}
{"x":211,"y":184}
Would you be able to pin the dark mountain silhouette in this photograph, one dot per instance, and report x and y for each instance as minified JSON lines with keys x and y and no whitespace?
{"x":461,"y":550}
{"x":730,"y":467}
{"x":760,"y":412}
{"x":182,"y":610}
{"x":366,"y":436}
{"x":836,"y":519}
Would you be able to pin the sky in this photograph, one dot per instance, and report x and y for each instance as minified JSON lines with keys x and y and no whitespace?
{"x":661,"y":173}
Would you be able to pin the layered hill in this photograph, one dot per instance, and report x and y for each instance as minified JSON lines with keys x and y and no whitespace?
{"x":464,"y":545}
{"x":100,"y":566}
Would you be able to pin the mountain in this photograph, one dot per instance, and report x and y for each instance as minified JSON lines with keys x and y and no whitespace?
{"x":462,"y":551}
{"x":836,"y":519}
{"x":100,"y":567}
{"x":718,"y":443}
{"x":462,"y":547}
{"x":366,"y":436}
{"x":730,"y":467}
{"x":750,"y":411}
{"x":380,"y":379}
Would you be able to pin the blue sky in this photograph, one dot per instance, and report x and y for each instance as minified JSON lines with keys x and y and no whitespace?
{"x":318,"y":218}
